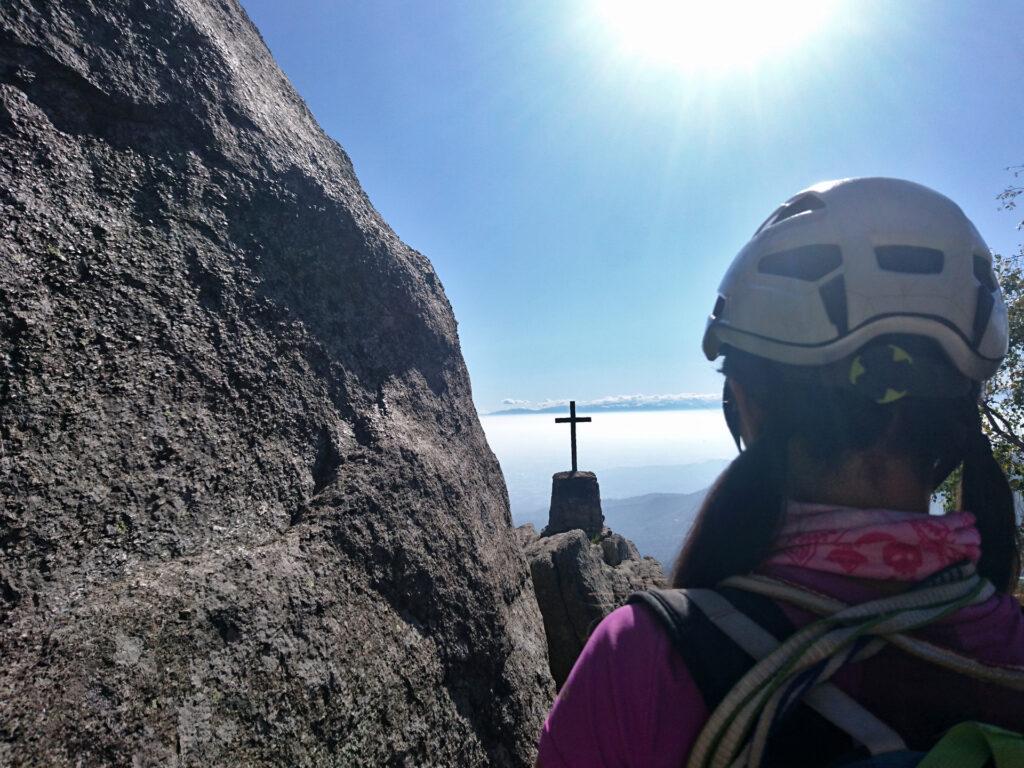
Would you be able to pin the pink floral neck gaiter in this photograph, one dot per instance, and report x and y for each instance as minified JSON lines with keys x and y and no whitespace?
{"x":874,"y":543}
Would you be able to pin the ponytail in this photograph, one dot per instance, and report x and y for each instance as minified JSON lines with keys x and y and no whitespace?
{"x":986,"y":493}
{"x":739,"y":519}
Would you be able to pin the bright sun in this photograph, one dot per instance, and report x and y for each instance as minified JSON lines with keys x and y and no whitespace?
{"x":711,"y":36}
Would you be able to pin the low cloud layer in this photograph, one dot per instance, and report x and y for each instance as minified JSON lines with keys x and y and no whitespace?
{"x":686,"y":400}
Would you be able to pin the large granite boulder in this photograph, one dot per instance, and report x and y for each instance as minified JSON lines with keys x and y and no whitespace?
{"x":247,"y":512}
{"x":579,"y":580}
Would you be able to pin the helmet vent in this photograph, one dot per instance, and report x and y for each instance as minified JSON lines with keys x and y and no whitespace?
{"x":982,"y":313}
{"x":796,"y":206}
{"x":983,"y":271}
{"x":808,"y":262}
{"x":719,"y":306}
{"x":910,"y":259}
{"x":983,"y":308}
{"x":833,"y":296}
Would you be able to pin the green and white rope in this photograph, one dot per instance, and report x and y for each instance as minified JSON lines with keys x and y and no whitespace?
{"x":1008,"y":677}
{"x":737,"y":731}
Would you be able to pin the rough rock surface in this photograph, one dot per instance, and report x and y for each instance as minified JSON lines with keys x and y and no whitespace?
{"x":579,"y":580}
{"x":247,"y":512}
{"x":575,"y":503}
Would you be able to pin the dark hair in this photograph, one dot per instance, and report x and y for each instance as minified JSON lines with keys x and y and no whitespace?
{"x":743,"y":512}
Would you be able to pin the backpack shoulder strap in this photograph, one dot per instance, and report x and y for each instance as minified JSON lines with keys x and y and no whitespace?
{"x":716,"y":615}
{"x":697,"y":639}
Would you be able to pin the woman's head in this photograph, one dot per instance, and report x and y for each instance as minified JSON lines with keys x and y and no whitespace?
{"x":888,"y":417}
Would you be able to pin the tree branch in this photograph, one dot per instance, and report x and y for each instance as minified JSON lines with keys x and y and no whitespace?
{"x":998,"y":424}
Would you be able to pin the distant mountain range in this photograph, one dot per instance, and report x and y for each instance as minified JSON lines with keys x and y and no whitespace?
{"x":618,"y":403}
{"x":620,"y":487}
{"x":656,"y":522}
{"x":623,"y":483}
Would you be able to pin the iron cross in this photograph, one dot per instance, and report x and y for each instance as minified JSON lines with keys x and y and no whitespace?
{"x":573,"y":420}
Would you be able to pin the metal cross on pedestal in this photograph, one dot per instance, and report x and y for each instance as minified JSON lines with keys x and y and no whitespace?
{"x":573,"y":420}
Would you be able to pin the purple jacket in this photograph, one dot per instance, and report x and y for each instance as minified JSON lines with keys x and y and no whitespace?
{"x":630,"y":700}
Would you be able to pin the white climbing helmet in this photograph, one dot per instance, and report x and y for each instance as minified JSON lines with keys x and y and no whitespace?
{"x":845,"y":262}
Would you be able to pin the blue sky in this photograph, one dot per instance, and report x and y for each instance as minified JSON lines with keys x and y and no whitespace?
{"x":580,"y":205}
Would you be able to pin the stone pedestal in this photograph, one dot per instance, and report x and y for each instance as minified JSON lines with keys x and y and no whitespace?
{"x":575,"y":504}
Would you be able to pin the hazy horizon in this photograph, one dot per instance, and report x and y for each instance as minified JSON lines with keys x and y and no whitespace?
{"x":683,"y":401}
{"x":632,"y":452}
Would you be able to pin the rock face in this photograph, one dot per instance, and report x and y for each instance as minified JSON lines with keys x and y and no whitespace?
{"x":578,"y":582}
{"x":575,"y":503}
{"x":581,"y":570}
{"x":248,"y":514}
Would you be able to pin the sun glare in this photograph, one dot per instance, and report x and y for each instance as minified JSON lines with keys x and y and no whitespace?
{"x":710,"y":36}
